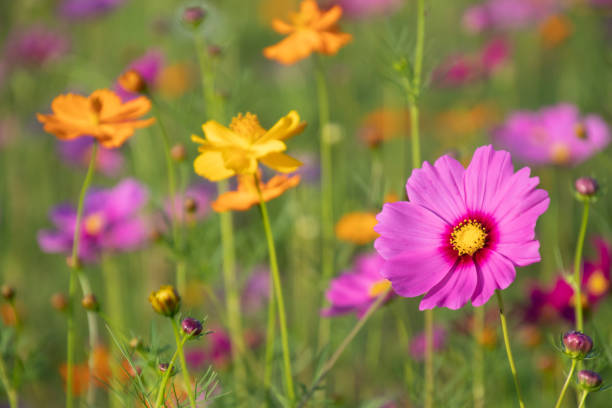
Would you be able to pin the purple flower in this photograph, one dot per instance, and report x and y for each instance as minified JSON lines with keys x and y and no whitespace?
{"x":256,"y":292}
{"x":507,"y":14}
{"x":310,"y":170}
{"x":217,"y":351}
{"x":355,"y":290}
{"x":111,"y":222}
{"x":149,"y":67}
{"x":199,"y":195}
{"x":34,"y":46}
{"x":553,"y":135}
{"x":417,"y":343}
{"x":368,"y":8}
{"x":78,"y":153}
{"x":83,"y":9}
{"x":463,"y":231}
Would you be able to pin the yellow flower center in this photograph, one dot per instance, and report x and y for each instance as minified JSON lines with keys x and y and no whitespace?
{"x":378,"y":288}
{"x":468,"y":237}
{"x":247,"y":126}
{"x":560,"y":153}
{"x":580,"y":131}
{"x":94,"y":224}
{"x":597,"y":283}
{"x":585,"y":302}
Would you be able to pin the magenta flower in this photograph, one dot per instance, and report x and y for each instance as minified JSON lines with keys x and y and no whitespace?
{"x":84,"y":9}
{"x":199,"y":195}
{"x":507,"y":14}
{"x":217,"y":351}
{"x":111,"y":223}
{"x":33,"y":47}
{"x":355,"y":290}
{"x":368,"y":8}
{"x":78,"y":153}
{"x":256,"y":291}
{"x":463,"y":232}
{"x":417,"y":343}
{"x":149,"y":67}
{"x":554,"y":135}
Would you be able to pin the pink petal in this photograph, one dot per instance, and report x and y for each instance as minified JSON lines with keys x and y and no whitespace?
{"x":520,"y":254}
{"x":454,"y":290}
{"x":493,"y":272}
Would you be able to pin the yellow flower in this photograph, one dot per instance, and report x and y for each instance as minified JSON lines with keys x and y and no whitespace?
{"x":357,"y":228}
{"x":165,"y":300}
{"x":238,"y":149}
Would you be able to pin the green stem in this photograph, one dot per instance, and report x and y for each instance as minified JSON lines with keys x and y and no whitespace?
{"x":74,"y":260}
{"x":278,"y":294}
{"x":207,"y":75}
{"x":583,"y":398}
{"x":565,"y":385}
{"x":347,"y":340}
{"x":186,"y":376}
{"x":578,"y":269}
{"x":161,"y":391}
{"x":327,"y":204}
{"x":11,"y":392}
{"x":478,"y":385}
{"x":92,"y":328}
{"x":504,"y":326}
{"x":270,"y":337}
{"x":429,"y":367}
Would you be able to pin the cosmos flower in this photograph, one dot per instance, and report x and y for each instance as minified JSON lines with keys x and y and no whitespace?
{"x":309,"y":30}
{"x":507,"y":14}
{"x":554,"y":135}
{"x":238,"y":149}
{"x":368,"y":8}
{"x":559,"y":300}
{"x":357,"y":227}
{"x":417,"y":343}
{"x":101,"y":115}
{"x":218,"y":350}
{"x":78,"y":152}
{"x":82,"y":376}
{"x":463,"y":232}
{"x":245,"y":196}
{"x":357,"y":289}
{"x":148,"y":67}
{"x":555,"y":30}
{"x":111,"y":222}
{"x":193,"y":205}
{"x":33,"y":47}
{"x":384,"y":124}
{"x":84,"y":9}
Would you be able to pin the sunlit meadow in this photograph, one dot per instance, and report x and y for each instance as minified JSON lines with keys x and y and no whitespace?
{"x":305,"y":203}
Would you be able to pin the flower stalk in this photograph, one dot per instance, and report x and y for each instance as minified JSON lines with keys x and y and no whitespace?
{"x":567,"y":381}
{"x":577,"y":267}
{"x":186,"y":377}
{"x":161,"y":391}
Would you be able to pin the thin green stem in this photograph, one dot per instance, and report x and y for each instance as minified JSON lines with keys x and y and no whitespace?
{"x":504,"y":326}
{"x":278,"y":294}
{"x":327,"y":204}
{"x":181,"y":354}
{"x":429,"y":367}
{"x":11,"y":392}
{"x":270,"y":337}
{"x":347,"y":340}
{"x":92,"y":328}
{"x":74,"y":263}
{"x":583,"y":398}
{"x":478,"y":390}
{"x":566,"y":384}
{"x":578,"y":269}
{"x":207,"y":75}
{"x":161,"y":391}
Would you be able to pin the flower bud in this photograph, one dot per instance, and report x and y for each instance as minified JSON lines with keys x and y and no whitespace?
{"x":178,"y":152}
{"x":193,"y":16}
{"x":191,"y":205}
{"x":191,"y":327}
{"x":589,"y":380}
{"x":165,"y":301}
{"x":59,"y":302}
{"x":163,"y":367}
{"x":132,"y":81}
{"x":586,"y":186}
{"x":576,"y":344}
{"x":89,"y":302}
{"x":8,"y":292}
{"x":135,"y":343}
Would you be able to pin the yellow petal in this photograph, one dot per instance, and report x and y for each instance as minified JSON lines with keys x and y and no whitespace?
{"x":197,"y":139}
{"x":271,"y":146}
{"x":211,"y":166}
{"x":219,"y":135}
{"x":285,"y":128}
{"x":281,"y":162}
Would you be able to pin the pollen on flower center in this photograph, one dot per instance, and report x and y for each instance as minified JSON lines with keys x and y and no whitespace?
{"x":580,"y":131}
{"x":247,"y":126}
{"x":378,"y":288}
{"x":597,"y":283}
{"x":94,"y":224}
{"x":468,"y":237}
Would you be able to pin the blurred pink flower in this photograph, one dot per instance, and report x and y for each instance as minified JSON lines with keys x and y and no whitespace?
{"x":508,"y":14}
{"x":217,"y":350}
{"x":33,"y":46}
{"x":149,"y":66}
{"x":256,"y":292}
{"x":553,"y":135}
{"x":85,"y":9}
{"x":78,"y":153}
{"x":200,"y":195}
{"x":417,"y":343}
{"x":368,"y":8}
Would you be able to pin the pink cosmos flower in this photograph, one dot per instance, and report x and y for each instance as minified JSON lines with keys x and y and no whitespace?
{"x":111,"y":222}
{"x":200,"y":194}
{"x":463,"y":232}
{"x":217,"y":350}
{"x":83,"y":9}
{"x":553,"y":135}
{"x":507,"y":14}
{"x":33,"y":47}
{"x":149,"y":67}
{"x":78,"y":152}
{"x":417,"y":343}
{"x":355,"y":290}
{"x":256,"y":291}
{"x":368,"y":8}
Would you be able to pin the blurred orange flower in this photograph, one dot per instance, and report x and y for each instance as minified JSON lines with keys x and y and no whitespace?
{"x":309,"y":30}
{"x":245,"y":196}
{"x":82,"y":376}
{"x":462,"y":121}
{"x":238,"y":149}
{"x":174,"y":80}
{"x":357,"y":228}
{"x":384,"y":124}
{"x":102,"y":115}
{"x":555,"y":30}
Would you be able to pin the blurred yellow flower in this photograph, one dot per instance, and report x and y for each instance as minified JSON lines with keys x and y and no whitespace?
{"x":174,"y":80}
{"x":245,"y":196}
{"x":238,"y":149}
{"x":384,"y":124}
{"x":165,"y":300}
{"x":357,"y":228}
{"x":309,"y":30}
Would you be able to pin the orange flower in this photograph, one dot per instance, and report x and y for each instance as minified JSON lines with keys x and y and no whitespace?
{"x":245,"y":196}
{"x":384,"y":124}
{"x":310,"y":30}
{"x":357,"y":228}
{"x":101,"y":115}
{"x":82,"y":376}
{"x":554,"y":31}
{"x":461,"y":121}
